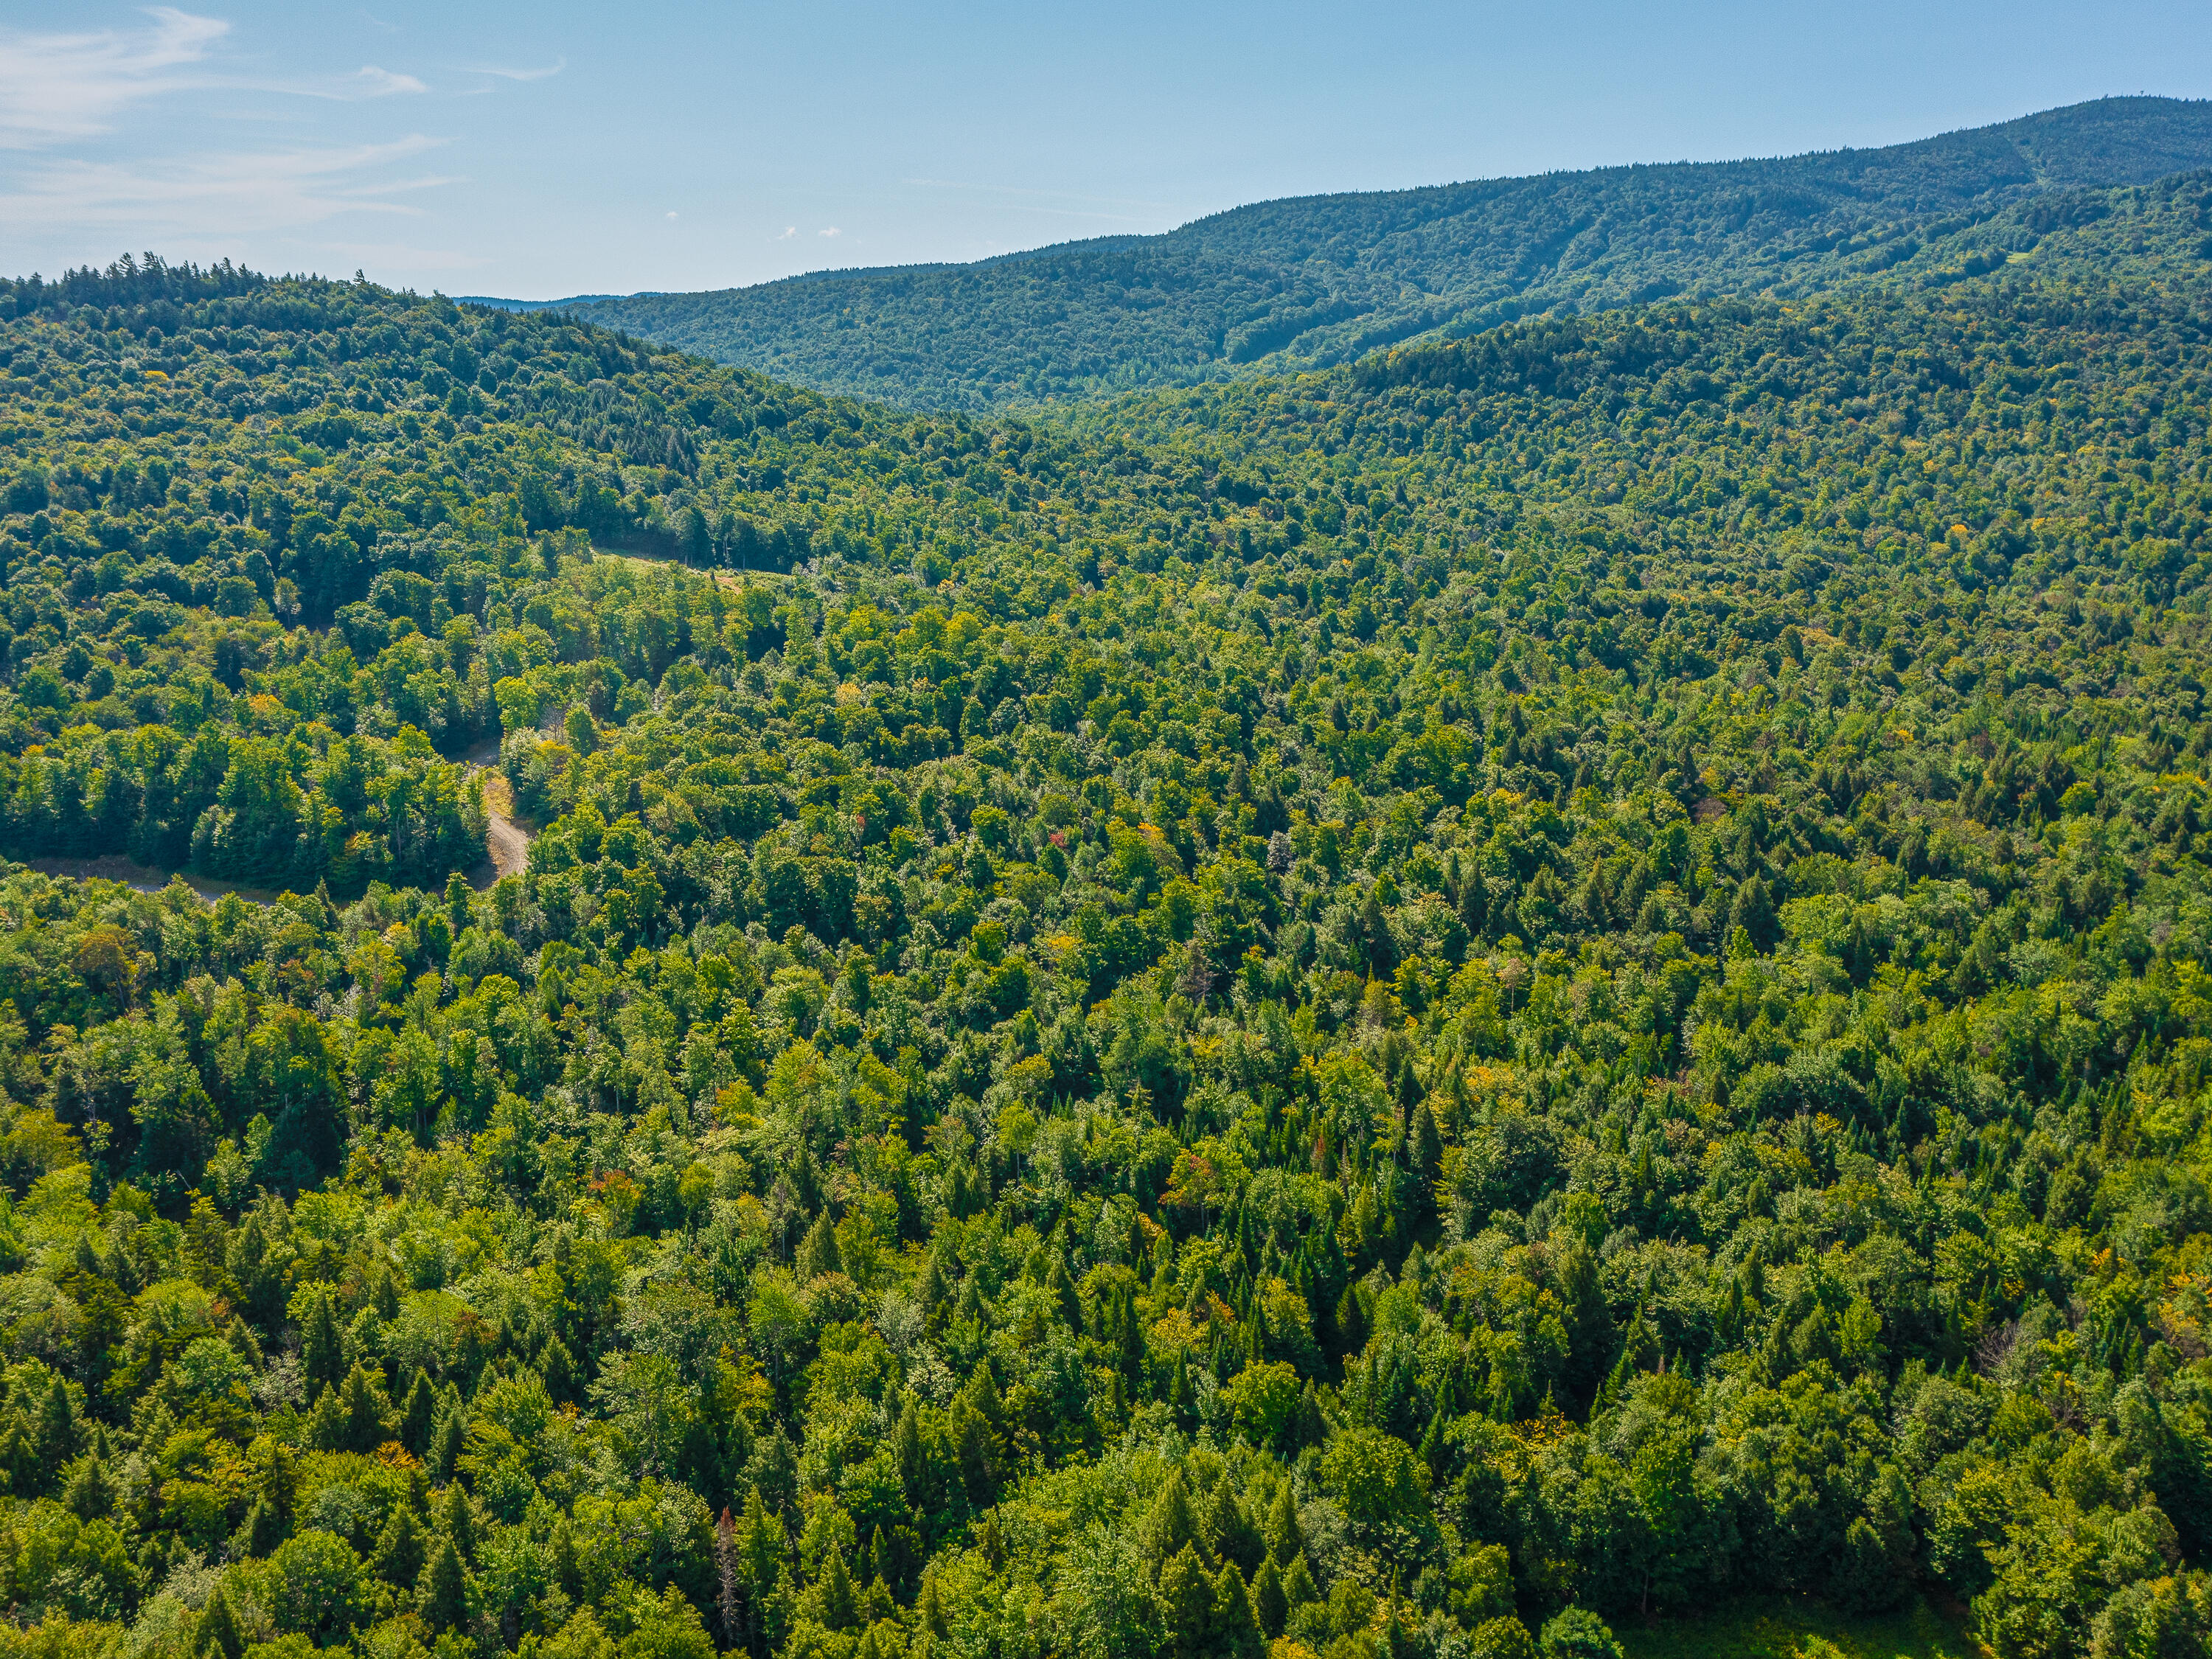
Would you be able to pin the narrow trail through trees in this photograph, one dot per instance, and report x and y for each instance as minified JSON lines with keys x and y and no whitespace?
{"x":507,"y":843}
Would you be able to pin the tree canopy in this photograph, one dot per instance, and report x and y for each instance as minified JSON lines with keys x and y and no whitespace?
{"x":1433,"y":1008}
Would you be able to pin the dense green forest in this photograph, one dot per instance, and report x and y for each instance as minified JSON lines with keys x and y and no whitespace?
{"x":1315,"y":281}
{"x":1449,"y":1009}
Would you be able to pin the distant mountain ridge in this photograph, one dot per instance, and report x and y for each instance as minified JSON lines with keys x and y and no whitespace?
{"x":568,"y":304}
{"x":1306,"y":281}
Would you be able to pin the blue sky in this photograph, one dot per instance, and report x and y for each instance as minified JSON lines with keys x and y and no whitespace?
{"x":553,"y":149}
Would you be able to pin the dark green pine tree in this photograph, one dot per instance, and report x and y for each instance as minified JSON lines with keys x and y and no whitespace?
{"x":88,"y":1492}
{"x":558,"y":1367}
{"x":840,"y":1607}
{"x":817,"y":1251}
{"x":932,"y":1292}
{"x":1432,"y":1442}
{"x":1132,"y":1343}
{"x":419,"y":1417}
{"x":1351,"y":1322}
{"x":322,"y":1353}
{"x":1269,"y":1606}
{"x":1235,"y":1632}
{"x":280,"y":1481}
{"x":402,"y":1551}
{"x":907,"y":1445}
{"x":443,"y":1591}
{"x":1728,"y":1324}
{"x":1230,"y":1533}
{"x":361,"y":1412}
{"x":58,"y":1430}
{"x":1186,"y":1599}
{"x":458,"y":1521}
{"x":1285,"y":1539}
{"x":219,"y":1636}
{"x":1181,"y":1394}
{"x":1475,"y":903}
{"x":1171,"y":1524}
{"x":264,"y":1529}
{"x":445,"y":1439}
{"x":1298,"y":1586}
{"x":1427,"y":1147}
{"x":567,"y":1573}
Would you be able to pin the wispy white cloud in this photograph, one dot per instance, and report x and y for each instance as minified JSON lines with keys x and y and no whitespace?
{"x":671,"y":214}
{"x":374,"y":82}
{"x":219,"y":195}
{"x":832,"y":231}
{"x":553,"y":68}
{"x":56,"y":86}
{"x":789,"y":231}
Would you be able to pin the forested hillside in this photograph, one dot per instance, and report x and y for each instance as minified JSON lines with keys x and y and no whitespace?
{"x":1450,"y":1009}
{"x":1319,"y":280}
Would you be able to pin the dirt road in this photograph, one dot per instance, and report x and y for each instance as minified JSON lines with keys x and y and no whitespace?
{"x":507,"y":843}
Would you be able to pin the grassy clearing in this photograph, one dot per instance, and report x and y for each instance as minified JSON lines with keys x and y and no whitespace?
{"x":1784,"y":1627}
{"x":726,"y":577}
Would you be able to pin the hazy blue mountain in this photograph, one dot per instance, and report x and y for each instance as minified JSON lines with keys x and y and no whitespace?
{"x":568,"y":304}
{"x":1308,"y":281}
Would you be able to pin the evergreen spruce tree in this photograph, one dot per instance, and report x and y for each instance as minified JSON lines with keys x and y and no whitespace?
{"x":1229,"y":1532}
{"x":1171,"y":1523}
{"x":1131,"y":1344}
{"x":219,"y":1636}
{"x":442,"y":1596}
{"x":1186,"y":1599}
{"x":445,"y":1439}
{"x":1432,"y":1442}
{"x":729,"y":1597}
{"x":1285,"y":1539}
{"x":401,"y":1551}
{"x":362,"y":1429}
{"x":264,"y":1529}
{"x":458,"y":1521}
{"x":760,"y":1547}
{"x":1351,"y":1319}
{"x":840,"y":1607}
{"x":1269,"y":1606}
{"x":326,"y":1426}
{"x":89,"y":1491}
{"x":558,"y":1367}
{"x":57,"y":1433}
{"x":817,"y":1251}
{"x":1425,"y":1146}
{"x":929,"y":1608}
{"x":1235,"y":1631}
{"x":420,"y":1414}
{"x":322,"y":1353}
{"x":567,"y":1571}
{"x":906,"y":1446}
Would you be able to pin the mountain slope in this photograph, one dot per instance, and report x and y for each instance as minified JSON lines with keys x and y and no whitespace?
{"x":1547,"y":979}
{"x":1316,"y":280}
